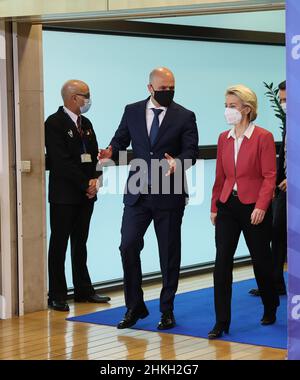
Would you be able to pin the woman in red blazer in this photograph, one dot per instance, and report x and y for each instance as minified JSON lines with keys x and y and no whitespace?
{"x":241,"y":198}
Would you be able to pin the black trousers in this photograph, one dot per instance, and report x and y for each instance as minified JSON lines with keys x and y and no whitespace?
{"x":234,"y":217}
{"x":167,"y":225}
{"x":69,"y":221}
{"x":279,"y":239}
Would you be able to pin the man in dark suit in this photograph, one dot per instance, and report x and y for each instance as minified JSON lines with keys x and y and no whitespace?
{"x":279,"y":228}
{"x":161,"y":132}
{"x":72,"y":149}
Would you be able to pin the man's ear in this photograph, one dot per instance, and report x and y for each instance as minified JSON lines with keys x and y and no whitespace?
{"x":150,"y":88}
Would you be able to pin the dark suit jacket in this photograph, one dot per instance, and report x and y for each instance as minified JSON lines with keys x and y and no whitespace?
{"x":177,"y":136}
{"x":280,"y":164}
{"x":69,"y":178}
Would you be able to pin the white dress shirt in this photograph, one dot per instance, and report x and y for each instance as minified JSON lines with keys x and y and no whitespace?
{"x":150,"y":114}
{"x":72,"y":115}
{"x":238,"y":142}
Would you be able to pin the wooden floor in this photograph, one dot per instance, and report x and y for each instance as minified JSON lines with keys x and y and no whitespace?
{"x":47,"y":335}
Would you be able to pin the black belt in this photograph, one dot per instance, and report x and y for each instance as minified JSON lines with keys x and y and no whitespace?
{"x":234,"y":193}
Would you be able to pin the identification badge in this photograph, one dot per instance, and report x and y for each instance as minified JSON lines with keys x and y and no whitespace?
{"x":85,"y":157}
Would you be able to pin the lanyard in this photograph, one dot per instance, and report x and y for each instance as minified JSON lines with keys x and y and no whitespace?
{"x":83,"y":143}
{"x":81,"y":133}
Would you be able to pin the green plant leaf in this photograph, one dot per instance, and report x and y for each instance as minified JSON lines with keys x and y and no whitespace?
{"x":272,"y":94}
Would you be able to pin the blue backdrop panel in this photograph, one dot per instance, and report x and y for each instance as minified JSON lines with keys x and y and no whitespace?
{"x":293,"y":167}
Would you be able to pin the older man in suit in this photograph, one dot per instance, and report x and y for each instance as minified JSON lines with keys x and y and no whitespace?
{"x":164,"y":132}
{"x":72,"y":150}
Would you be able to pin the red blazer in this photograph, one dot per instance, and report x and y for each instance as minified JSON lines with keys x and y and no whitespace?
{"x":255,"y":172}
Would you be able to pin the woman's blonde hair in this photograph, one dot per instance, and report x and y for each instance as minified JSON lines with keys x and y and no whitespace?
{"x":247,"y":96}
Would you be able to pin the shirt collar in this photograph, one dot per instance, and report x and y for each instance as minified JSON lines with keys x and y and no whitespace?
{"x":72,"y":115}
{"x":150,"y":104}
{"x":248,"y":132}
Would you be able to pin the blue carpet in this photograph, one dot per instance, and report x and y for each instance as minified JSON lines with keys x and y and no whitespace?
{"x":194,"y":312}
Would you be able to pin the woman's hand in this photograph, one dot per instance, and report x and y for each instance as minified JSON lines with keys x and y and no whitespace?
{"x":213,"y":217}
{"x":257,"y":216}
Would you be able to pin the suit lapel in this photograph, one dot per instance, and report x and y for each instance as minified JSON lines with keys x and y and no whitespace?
{"x":142,"y":121}
{"x":231,"y":152}
{"x":241,"y":155}
{"x":244,"y":147}
{"x":169,"y":116}
{"x":68,"y":122}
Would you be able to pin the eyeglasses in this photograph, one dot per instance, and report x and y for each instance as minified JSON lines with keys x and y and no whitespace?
{"x":86,"y":96}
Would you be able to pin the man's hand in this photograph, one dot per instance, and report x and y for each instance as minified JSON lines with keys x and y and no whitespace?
{"x":257,"y":216}
{"x":213,"y":218}
{"x":283,"y":185}
{"x":105,"y":154}
{"x":92,"y":189}
{"x":172,"y":164}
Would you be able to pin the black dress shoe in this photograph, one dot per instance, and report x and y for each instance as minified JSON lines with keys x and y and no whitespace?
{"x":254,"y":292}
{"x":269,"y":317}
{"x":167,"y":321}
{"x":95,"y":298}
{"x":58,"y":305}
{"x":131,"y":317}
{"x":218,"y":330}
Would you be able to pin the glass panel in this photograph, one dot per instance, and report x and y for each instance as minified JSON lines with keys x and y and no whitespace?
{"x":118,"y":75}
{"x":267,"y":21}
{"x":116,"y":68}
{"x":198,"y":244}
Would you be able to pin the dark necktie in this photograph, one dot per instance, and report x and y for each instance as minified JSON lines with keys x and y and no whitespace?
{"x":78,"y":125}
{"x":155,"y":125}
{"x":153,"y":134}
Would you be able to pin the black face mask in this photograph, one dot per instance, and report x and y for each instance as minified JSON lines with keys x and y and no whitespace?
{"x":164,"y":98}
